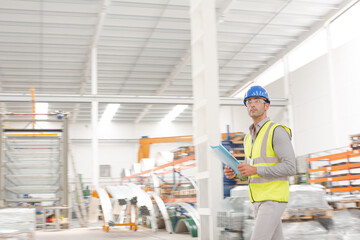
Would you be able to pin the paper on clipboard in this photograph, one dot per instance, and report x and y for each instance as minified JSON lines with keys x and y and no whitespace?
{"x":226,"y":157}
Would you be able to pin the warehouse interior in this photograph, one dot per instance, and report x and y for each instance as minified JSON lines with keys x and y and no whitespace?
{"x":108,"y":109}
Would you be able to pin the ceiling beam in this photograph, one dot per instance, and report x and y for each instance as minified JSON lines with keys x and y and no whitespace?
{"x":58,"y":98}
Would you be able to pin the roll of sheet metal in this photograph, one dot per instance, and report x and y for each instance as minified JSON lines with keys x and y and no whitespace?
{"x":163,"y":211}
{"x":185,"y":225}
{"x":145,"y":200}
{"x":106,"y":206}
{"x":188,"y":208}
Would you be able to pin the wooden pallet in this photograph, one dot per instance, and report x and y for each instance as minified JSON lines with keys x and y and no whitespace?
{"x":185,"y":192}
{"x":355,"y":137}
{"x":307,"y":214}
{"x":355,"y":145}
{"x":344,"y":204}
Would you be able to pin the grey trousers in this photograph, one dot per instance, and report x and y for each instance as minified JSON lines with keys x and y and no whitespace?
{"x":268,"y":220}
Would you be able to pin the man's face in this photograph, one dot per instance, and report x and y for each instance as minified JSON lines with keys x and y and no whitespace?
{"x":256,"y":107}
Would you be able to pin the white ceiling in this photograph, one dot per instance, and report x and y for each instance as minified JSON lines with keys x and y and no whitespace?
{"x":143,"y":48}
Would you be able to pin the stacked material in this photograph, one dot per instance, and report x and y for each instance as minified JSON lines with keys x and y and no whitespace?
{"x":248,"y":228}
{"x":17,"y":221}
{"x":307,"y":201}
{"x":342,"y":223}
{"x":164,"y":157}
{"x":309,"y":230}
{"x":233,"y":215}
{"x":230,"y":220}
{"x":229,"y":235}
{"x":147,"y":164}
{"x":125,"y":172}
{"x":307,"y":196}
{"x":240,"y":191}
{"x":344,"y":201}
{"x":136,"y":168}
{"x":355,"y":141}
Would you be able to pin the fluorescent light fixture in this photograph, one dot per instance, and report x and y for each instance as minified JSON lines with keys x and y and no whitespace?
{"x":109,"y":113}
{"x":174,"y":113}
{"x":41,"y":108}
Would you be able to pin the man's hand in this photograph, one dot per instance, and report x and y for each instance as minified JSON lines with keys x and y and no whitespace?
{"x":247,"y":170}
{"x":229,"y":173}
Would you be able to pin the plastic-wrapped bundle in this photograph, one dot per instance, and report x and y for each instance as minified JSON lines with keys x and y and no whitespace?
{"x":228,"y":235}
{"x":248,"y":228}
{"x":351,"y":236}
{"x":230,"y":220}
{"x":307,"y":196}
{"x":17,"y":220}
{"x":307,"y":200}
{"x":240,"y":191}
{"x":233,"y":215}
{"x":345,"y":197}
{"x":309,"y":230}
{"x":248,"y":209}
{"x":342,"y":222}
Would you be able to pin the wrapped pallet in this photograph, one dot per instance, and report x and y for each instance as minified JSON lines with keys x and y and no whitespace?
{"x":343,"y":223}
{"x":307,"y":201}
{"x":16,"y":222}
{"x":233,"y":215}
{"x":309,"y":230}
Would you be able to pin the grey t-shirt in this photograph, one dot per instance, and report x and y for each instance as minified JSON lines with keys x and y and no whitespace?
{"x":283,"y":150}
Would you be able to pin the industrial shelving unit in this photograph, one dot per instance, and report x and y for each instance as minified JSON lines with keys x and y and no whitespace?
{"x":341,"y":168}
{"x":163,"y":170}
{"x":33,"y":162}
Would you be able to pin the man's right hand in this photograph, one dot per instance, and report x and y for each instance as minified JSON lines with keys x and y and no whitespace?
{"x":229,"y":173}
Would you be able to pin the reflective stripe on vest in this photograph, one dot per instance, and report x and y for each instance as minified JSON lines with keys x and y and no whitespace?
{"x":263,"y":154}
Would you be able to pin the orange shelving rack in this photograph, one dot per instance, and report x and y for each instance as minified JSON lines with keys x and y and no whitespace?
{"x":347,"y":156}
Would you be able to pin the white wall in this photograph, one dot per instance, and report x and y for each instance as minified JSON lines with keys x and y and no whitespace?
{"x":312,"y":101}
{"x":347,"y":75}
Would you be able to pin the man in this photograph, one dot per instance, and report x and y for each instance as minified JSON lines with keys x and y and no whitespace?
{"x":269,"y":160}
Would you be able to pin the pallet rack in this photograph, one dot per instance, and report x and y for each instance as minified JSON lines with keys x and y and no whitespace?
{"x":33,"y":162}
{"x":163,"y":169}
{"x":344,"y":161}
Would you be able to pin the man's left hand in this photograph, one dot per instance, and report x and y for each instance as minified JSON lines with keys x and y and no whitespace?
{"x":247,"y":170}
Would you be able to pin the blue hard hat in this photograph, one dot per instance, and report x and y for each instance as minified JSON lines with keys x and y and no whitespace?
{"x":256,"y":91}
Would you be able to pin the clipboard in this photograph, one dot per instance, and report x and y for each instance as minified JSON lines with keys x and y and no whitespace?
{"x":226,"y":157}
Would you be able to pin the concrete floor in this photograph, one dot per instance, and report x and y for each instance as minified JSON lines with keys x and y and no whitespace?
{"x":96,"y":233}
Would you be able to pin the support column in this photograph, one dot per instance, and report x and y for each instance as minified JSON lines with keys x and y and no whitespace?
{"x":333,"y":89}
{"x":206,"y":115}
{"x":289,"y":106}
{"x":94,"y":119}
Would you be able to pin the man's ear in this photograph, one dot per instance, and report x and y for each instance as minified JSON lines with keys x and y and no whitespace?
{"x":267,"y":105}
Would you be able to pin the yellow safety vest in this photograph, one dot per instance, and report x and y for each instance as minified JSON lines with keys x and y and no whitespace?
{"x":262,"y":153}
